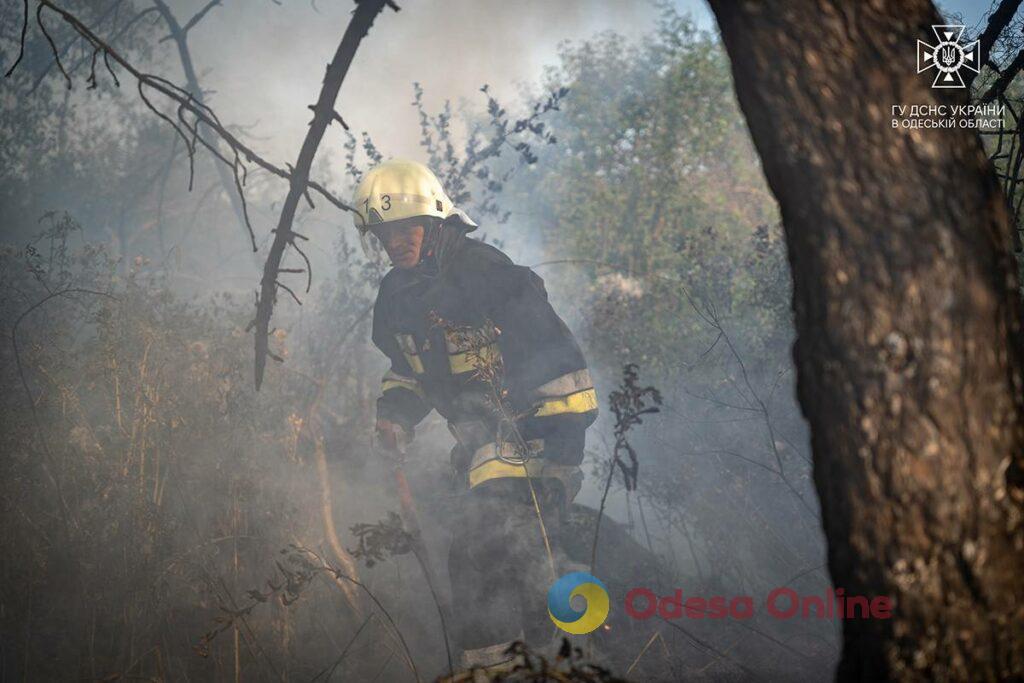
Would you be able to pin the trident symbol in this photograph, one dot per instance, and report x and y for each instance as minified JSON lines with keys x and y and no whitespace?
{"x":948,"y":55}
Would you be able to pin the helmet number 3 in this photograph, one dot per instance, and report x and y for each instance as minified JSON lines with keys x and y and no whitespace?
{"x":385,"y":203}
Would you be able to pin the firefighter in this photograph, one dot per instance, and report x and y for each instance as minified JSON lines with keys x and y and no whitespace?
{"x":470,"y":334}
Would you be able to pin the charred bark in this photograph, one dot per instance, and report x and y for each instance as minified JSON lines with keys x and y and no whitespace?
{"x":907,"y":311}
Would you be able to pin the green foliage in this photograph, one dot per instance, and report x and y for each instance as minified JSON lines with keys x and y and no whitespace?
{"x":655,"y":190}
{"x":663,"y":247}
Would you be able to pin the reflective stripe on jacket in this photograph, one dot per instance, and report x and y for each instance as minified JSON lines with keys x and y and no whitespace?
{"x":478,"y":325}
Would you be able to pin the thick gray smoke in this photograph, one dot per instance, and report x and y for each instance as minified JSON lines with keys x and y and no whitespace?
{"x":263,"y":61}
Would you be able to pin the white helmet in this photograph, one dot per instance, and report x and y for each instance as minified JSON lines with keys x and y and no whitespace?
{"x":397,"y":190}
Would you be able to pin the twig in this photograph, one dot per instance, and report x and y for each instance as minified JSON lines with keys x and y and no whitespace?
{"x":399,"y":535}
{"x":1001,"y":83}
{"x":330,"y":670}
{"x":290,"y":291}
{"x":188,"y":103}
{"x":417,"y":550}
{"x":765,"y":414}
{"x":196,"y":18}
{"x":21,"y":43}
{"x":997,"y":22}
{"x":636,"y":660}
{"x":362,"y":19}
{"x":232,"y":185}
{"x":490,"y":371}
{"x":776,"y":641}
{"x":325,"y":566}
{"x":708,"y":647}
{"x":804,"y":573}
{"x":67,"y":47}
{"x":327,"y":506}
{"x":629,"y":404}
{"x":53,"y":46}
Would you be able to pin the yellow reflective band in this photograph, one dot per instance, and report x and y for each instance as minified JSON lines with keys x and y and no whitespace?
{"x":580,"y":402}
{"x":508,"y":452}
{"x":497,"y":469}
{"x":471,"y":360}
{"x":569,"y":383}
{"x":414,"y":362}
{"x":414,"y":387}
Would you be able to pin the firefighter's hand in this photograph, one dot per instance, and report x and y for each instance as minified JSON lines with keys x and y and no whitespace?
{"x":392,"y":436}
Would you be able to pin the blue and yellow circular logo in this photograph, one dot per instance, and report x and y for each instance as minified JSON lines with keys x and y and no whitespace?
{"x":560,"y":597}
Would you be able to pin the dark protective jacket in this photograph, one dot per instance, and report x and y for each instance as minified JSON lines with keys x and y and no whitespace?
{"x":463,"y":331}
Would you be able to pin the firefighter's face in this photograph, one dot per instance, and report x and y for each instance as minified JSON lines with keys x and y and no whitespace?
{"x":402,"y":243}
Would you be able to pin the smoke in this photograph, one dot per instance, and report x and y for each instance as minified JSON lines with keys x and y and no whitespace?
{"x":265,"y":63}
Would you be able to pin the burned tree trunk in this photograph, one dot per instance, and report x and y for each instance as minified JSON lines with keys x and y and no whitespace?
{"x":907,"y":311}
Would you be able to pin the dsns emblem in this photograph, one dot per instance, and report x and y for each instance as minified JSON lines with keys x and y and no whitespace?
{"x":948,"y":56}
{"x":560,"y":597}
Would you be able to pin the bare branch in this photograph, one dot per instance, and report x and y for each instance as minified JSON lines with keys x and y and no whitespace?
{"x":366,"y":11}
{"x":202,"y":113}
{"x":53,"y":46}
{"x":110,"y":70}
{"x":21,"y":45}
{"x":189,"y":104}
{"x":335,"y":116}
{"x":1007,"y":75}
{"x":309,"y":266}
{"x":997,"y":22}
{"x":232,"y":184}
{"x":289,"y":290}
{"x":196,"y":18}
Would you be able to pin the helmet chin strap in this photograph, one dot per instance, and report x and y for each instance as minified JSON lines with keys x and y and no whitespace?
{"x":431,"y":240}
{"x":440,"y":237}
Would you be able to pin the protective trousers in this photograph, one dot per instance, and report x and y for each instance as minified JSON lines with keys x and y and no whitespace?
{"x":498,"y":563}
